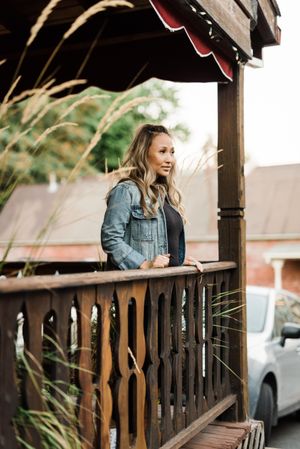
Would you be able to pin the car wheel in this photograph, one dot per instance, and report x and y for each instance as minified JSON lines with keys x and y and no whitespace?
{"x":265,"y":409}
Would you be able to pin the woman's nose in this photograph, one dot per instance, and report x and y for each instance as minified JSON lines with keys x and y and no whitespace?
{"x":170,"y":157}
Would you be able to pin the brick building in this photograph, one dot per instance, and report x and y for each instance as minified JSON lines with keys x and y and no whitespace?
{"x":71,"y":216}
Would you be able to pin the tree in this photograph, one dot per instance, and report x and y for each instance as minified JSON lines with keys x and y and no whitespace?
{"x":43,"y":134}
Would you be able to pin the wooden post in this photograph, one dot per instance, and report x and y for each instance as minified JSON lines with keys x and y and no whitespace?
{"x":232,"y":231}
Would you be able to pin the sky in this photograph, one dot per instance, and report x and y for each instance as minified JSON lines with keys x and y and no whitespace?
{"x":272,"y":102}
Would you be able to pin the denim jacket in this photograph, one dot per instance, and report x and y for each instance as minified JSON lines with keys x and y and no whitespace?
{"x":127,"y":236}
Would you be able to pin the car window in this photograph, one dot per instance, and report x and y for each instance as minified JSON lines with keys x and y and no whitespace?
{"x":283,"y":314}
{"x":257,"y":305}
{"x":295,"y":309}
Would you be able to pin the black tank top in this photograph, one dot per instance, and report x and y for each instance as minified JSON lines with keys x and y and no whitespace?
{"x":174,"y":229}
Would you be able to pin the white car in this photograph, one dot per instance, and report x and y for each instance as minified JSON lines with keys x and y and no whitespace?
{"x":273,"y":334}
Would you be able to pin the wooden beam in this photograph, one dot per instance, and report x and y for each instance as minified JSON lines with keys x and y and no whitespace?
{"x":246,"y":6}
{"x":13,"y":20}
{"x":267,"y":23}
{"x":231,"y":19}
{"x":199,"y":424}
{"x":232,"y":233}
{"x":100,"y":278}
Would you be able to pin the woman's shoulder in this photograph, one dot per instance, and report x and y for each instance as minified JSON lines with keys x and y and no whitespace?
{"x":127,"y":184}
{"x":126,"y":187}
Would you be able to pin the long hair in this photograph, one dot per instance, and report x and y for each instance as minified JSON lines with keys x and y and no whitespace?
{"x":138,"y":169}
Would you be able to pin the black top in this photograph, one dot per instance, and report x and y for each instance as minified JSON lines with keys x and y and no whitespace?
{"x":174,"y":229}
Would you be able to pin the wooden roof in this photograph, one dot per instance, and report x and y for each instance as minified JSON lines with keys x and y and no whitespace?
{"x":127,"y":46}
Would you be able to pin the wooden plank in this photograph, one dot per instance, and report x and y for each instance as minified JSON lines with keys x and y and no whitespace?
{"x":177,"y":353}
{"x":9,"y":394}
{"x":199,"y":347}
{"x":84,"y":279}
{"x":86,"y":299}
{"x":228,"y":16}
{"x":190,"y":353}
{"x":185,"y":435}
{"x":269,"y":29}
{"x":104,"y":404}
{"x":152,"y":430}
{"x":138,"y":292}
{"x":36,"y":309}
{"x":232,"y":233}
{"x":219,"y":435}
{"x":246,"y":6}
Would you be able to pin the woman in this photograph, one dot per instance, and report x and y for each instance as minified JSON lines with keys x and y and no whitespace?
{"x":143,"y":223}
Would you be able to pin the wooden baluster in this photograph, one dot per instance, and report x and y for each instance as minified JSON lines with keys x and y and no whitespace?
{"x":10,"y":306}
{"x":190,"y":352}
{"x":37,"y":306}
{"x":139,"y":349}
{"x":151,"y":321}
{"x":199,"y":346}
{"x":61,"y":303}
{"x":104,"y":405}
{"x":225,"y":378}
{"x":125,"y":293}
{"x":178,"y":415}
{"x":208,"y":344}
{"x":121,"y":388}
{"x":86,"y":299}
{"x":217,"y":336}
{"x":164,"y":288}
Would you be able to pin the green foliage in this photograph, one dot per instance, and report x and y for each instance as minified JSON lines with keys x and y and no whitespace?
{"x":43,"y":134}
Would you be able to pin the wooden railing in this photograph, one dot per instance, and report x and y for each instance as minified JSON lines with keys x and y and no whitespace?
{"x":145,"y":352}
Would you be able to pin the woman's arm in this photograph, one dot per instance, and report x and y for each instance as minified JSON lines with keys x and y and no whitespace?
{"x":116,"y":219}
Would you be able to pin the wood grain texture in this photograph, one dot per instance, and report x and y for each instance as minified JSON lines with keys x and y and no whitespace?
{"x":138,"y":348}
{"x":100,"y":278}
{"x":232,"y":227}
{"x":9,"y":398}
{"x":233,"y":21}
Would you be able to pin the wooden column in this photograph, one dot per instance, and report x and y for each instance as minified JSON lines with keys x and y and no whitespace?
{"x":232,"y":232}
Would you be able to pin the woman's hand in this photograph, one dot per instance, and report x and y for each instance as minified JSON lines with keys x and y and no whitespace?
{"x":160,"y":261}
{"x":189,"y":260}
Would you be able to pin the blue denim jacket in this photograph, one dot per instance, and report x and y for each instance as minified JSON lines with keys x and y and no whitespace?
{"x":127,"y":236}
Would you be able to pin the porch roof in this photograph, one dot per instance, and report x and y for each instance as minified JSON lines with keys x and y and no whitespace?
{"x":283,"y":252}
{"x":122,"y":47}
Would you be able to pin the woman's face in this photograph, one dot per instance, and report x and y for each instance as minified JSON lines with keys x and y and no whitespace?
{"x":161,"y":154}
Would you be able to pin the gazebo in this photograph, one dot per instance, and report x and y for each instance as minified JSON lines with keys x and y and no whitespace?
{"x":173,"y":383}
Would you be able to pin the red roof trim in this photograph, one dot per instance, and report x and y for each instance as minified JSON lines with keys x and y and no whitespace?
{"x":173,"y":22}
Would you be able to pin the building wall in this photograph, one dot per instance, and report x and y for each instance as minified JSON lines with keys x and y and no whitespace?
{"x":258,"y":271}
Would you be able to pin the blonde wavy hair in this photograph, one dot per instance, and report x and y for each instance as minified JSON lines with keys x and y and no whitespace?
{"x":135,"y":167}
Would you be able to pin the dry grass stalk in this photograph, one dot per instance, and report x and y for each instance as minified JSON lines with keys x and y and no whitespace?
{"x":66,"y":85}
{"x":82,"y":100}
{"x":94,"y":9}
{"x":41,"y":20}
{"x":35,"y":103}
{"x":51,"y":129}
{"x":40,"y":97}
{"x":13,"y":141}
{"x":3,"y":129}
{"x":5,"y":104}
{"x":81,"y":20}
{"x":51,"y":105}
{"x":134,"y":360}
{"x":103,"y":125}
{"x":124,"y":108}
{"x":29,"y":93}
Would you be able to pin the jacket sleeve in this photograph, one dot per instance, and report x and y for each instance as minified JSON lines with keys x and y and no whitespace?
{"x":116,"y":219}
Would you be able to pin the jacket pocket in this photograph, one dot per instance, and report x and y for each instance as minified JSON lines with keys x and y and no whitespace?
{"x":141,"y":227}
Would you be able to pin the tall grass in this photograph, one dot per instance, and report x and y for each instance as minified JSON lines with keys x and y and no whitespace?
{"x":56,"y":423}
{"x":37,"y":105}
